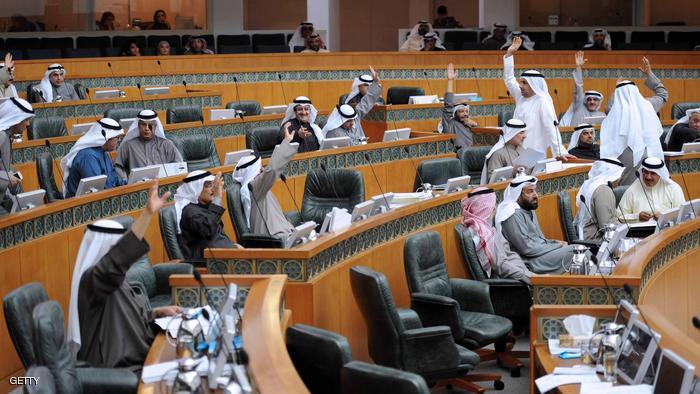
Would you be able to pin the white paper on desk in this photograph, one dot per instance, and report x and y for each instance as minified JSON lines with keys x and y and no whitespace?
{"x":172,"y":323}
{"x":576,"y":370}
{"x":554,"y":348}
{"x":595,"y":387}
{"x":168,"y":370}
{"x":631,"y":389}
{"x":548,"y":382}
{"x":528,"y":158}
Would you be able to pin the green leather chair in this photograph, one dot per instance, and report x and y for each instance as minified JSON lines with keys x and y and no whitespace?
{"x":45,"y":383}
{"x":52,"y":351}
{"x":167,"y":219}
{"x":183,"y":113}
{"x":122,"y":113}
{"x":249,"y":107}
{"x":33,"y":95}
{"x":462,"y":304}
{"x":46,"y":127}
{"x":47,"y":181}
{"x":17,"y":306}
{"x":619,"y":191}
{"x":262,"y":140}
{"x":80,"y":90}
{"x":437,"y":171}
{"x":240,"y":226}
{"x":678,"y":109}
{"x":400,"y":94}
{"x":366,"y":378}
{"x":503,"y":117}
{"x":343,"y":97}
{"x":472,"y":158}
{"x":197,"y":150}
{"x":566,"y":218}
{"x":323,"y":190}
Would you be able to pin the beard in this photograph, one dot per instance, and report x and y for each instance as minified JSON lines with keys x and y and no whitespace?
{"x":529,"y":205}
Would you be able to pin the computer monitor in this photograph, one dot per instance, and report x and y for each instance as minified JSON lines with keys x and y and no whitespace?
{"x":689,"y":210}
{"x":667,"y":218}
{"x":457,"y":184}
{"x":106,"y":94}
{"x":232,"y":158}
{"x":397,"y":134}
{"x":336,"y":142}
{"x":273,"y":109}
{"x":152,"y":91}
{"x":91,"y":185}
{"x":501,"y":174}
{"x":625,"y":315}
{"x":462,"y":97}
{"x":636,"y":352}
{"x":607,"y":247}
{"x":126,"y":123}
{"x":593,"y":120}
{"x":423,"y":99}
{"x":691,"y":147}
{"x":362,"y":211}
{"x":381,"y":203}
{"x":541,"y":166}
{"x":170,"y":169}
{"x":219,"y":114}
{"x":28,"y":200}
{"x":81,"y":128}
{"x":142,"y":174}
{"x":301,"y":234}
{"x":673,"y":374}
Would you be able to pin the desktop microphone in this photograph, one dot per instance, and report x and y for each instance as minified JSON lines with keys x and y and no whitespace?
{"x":239,"y":112}
{"x":111,"y":71}
{"x":420,"y":177}
{"x":680,"y":169}
{"x":47,"y":142}
{"x":87,"y":94}
{"x":556,"y":94}
{"x":323,"y":167}
{"x":430,"y":88}
{"x":284,"y":96}
{"x":583,"y":200}
{"x":696,"y":322}
{"x":160,"y":67}
{"x":284,"y":180}
{"x":377,"y":180}
{"x":184,"y":83}
{"x":628,"y":290}
{"x":636,"y":173}
{"x":559,"y":142}
{"x":478,"y":89}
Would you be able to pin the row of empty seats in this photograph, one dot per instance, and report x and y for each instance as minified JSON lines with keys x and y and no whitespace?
{"x":96,"y":46}
{"x":569,"y":40}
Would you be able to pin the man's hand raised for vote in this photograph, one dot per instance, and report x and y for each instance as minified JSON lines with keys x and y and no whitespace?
{"x":288,"y":133}
{"x":218,"y":185}
{"x":517,"y":41}
{"x":156,"y":202}
{"x":374,"y":74}
{"x":580,"y":59}
{"x":646,"y":66}
{"x":451,"y":73}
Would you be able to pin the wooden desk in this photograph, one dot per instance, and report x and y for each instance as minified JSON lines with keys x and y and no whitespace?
{"x":264,"y":326}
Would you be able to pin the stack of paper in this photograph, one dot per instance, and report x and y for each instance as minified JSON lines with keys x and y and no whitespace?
{"x":563,"y":376}
{"x":171,"y":324}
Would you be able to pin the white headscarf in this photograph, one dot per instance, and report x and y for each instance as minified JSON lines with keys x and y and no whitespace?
{"x":512,"y":128}
{"x":290,"y":114}
{"x":607,"y":42}
{"x":507,"y":207}
{"x":657,"y":166}
{"x":12,"y":86}
{"x":148,"y":116}
{"x":685,"y":119}
{"x":13,"y":110}
{"x":246,"y":170}
{"x":188,"y":193}
{"x":577,"y":134}
{"x":100,"y":132}
{"x":98,"y":239}
{"x":455,"y":108}
{"x":363,"y":79}
{"x":603,"y":171}
{"x":45,"y":85}
{"x":566,"y":119}
{"x":527,"y":42}
{"x":414,"y":34}
{"x":493,"y":30}
{"x":631,"y":122}
{"x":298,"y":40}
{"x":340,"y":115}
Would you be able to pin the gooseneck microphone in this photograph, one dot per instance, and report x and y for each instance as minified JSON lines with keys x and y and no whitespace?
{"x":255,"y":201}
{"x":369,"y":161}
{"x":415,"y":168}
{"x":160,"y":67}
{"x":284,"y":96}
{"x":556,"y":94}
{"x":87,"y":94}
{"x":680,"y":170}
{"x":559,"y":142}
{"x":239,"y":112}
{"x":47,"y":142}
{"x":328,"y":175}
{"x":430,"y":88}
{"x":284,"y":180}
{"x":478,"y":89}
{"x":588,"y":209}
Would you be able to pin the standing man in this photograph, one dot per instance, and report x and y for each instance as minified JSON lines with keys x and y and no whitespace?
{"x":583,"y":144}
{"x":586,"y":103}
{"x":533,"y":105}
{"x":346,"y":120}
{"x":599,"y":199}
{"x":660,"y":97}
{"x":516,"y":219}
{"x":656,"y":185}
{"x":455,"y":118}
{"x":53,"y":86}
{"x":15,"y":116}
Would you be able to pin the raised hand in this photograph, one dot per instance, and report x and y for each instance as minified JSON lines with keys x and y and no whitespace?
{"x":288,"y":133}
{"x":156,"y":202}
{"x":9,"y":63}
{"x":451,"y":73}
{"x":580,"y":60}
{"x":218,"y":184}
{"x":646,"y":66}
{"x":374,"y":74}
{"x":517,"y":42}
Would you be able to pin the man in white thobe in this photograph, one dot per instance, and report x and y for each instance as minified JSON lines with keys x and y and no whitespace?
{"x":651,"y":194}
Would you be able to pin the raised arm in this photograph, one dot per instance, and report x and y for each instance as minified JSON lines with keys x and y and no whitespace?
{"x":578,"y":79}
{"x":660,"y":96}
{"x":6,"y":72}
{"x":279,"y":160}
{"x":449,"y":95}
{"x":373,"y":92}
{"x":509,"y":69}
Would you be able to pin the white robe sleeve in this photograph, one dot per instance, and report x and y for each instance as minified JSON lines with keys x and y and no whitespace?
{"x":509,"y":78}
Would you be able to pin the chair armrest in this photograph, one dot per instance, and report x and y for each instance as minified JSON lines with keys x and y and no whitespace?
{"x":436,"y":310}
{"x":510,"y":297}
{"x":472,"y":295}
{"x":294,"y":218}
{"x":107,"y":380}
{"x":261,"y":241}
{"x":429,"y":349}
{"x":140,"y":289}
{"x":359,"y":376}
{"x":409,"y":318}
{"x":163,"y":272}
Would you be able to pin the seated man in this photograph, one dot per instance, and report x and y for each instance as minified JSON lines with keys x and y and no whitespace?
{"x":261,"y":208}
{"x":360,"y":87}
{"x":687,"y":129}
{"x":508,"y":148}
{"x":53,"y":86}
{"x":518,"y":224}
{"x":346,"y":121}
{"x":497,"y":38}
{"x":493,"y":251}
{"x":198,"y":210}
{"x":144,"y":145}
{"x":599,"y":199}
{"x":90,"y":157}
{"x":7,"y":78}
{"x":583,"y":144}
{"x":416,"y":38}
{"x":108,"y":324}
{"x":314,"y":44}
{"x":300,"y":117}
{"x":652,"y":193}
{"x":455,"y":118}
{"x":586,"y":103}
{"x":303,"y":31}
{"x":598,"y":40}
{"x":15,"y":116}
{"x":430,"y":43}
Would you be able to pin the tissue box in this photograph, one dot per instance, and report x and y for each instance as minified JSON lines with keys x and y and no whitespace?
{"x":573,"y":341}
